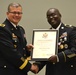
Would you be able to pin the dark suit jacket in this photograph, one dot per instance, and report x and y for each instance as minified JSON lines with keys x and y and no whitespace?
{"x":66,"y":54}
{"x":13,"y":50}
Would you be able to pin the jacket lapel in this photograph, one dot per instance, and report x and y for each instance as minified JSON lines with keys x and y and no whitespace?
{"x":11,"y":28}
{"x":22,"y":34}
{"x":61,"y":29}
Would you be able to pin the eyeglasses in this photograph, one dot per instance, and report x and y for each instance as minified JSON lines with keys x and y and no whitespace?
{"x":19,"y":13}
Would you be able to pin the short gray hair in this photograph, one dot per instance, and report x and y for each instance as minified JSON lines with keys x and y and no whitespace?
{"x":13,"y":5}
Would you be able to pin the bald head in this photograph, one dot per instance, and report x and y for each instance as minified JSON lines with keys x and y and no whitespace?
{"x":54,"y":10}
{"x":53,"y":17}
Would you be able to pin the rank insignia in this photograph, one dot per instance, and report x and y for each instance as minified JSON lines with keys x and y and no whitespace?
{"x":68,"y":25}
{"x":2,"y":25}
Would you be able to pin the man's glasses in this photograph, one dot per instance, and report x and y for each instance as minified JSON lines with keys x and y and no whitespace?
{"x":19,"y":13}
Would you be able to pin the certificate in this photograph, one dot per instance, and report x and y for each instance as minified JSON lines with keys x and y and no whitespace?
{"x":45,"y":44}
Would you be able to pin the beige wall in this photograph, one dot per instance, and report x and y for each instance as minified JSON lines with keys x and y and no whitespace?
{"x":34,"y":14}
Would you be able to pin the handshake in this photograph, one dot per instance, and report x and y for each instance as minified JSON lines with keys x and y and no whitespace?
{"x":34,"y":68}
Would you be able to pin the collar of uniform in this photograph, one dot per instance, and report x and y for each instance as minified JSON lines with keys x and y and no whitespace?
{"x":13,"y":24}
{"x":57,"y":27}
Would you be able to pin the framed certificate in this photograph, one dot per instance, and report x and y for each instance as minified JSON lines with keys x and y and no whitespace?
{"x":45,"y":44}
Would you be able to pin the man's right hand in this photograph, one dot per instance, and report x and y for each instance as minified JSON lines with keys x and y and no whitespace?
{"x":34,"y":68}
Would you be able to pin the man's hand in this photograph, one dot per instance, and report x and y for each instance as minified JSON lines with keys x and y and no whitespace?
{"x":29,"y":47}
{"x":53,"y":59}
{"x":34,"y":68}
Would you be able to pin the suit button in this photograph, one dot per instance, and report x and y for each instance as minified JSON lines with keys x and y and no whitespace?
{"x":53,"y":63}
{"x":4,"y":66}
{"x":23,"y":48}
{"x":71,"y":65}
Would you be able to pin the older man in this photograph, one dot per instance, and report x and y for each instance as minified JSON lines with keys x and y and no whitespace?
{"x":14,"y":50}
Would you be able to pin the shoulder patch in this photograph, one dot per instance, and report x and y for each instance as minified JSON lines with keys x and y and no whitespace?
{"x":69,"y":25}
{"x":2,"y":25}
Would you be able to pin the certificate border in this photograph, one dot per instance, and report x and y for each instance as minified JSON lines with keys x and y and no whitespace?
{"x":33,"y":38}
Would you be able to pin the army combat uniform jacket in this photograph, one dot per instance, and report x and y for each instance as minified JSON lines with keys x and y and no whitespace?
{"x":13,"y":50}
{"x":66,"y":54}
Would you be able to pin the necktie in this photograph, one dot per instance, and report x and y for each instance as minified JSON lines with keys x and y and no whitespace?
{"x":17,"y":27}
{"x":18,"y":30}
